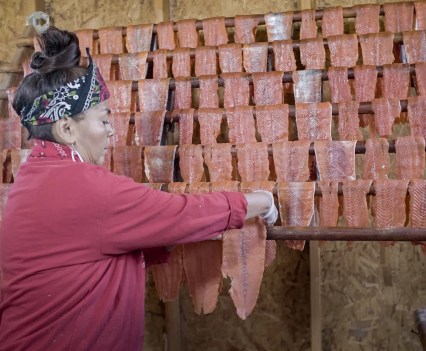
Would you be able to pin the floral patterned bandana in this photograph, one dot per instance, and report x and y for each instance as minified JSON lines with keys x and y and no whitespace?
{"x":73,"y":98}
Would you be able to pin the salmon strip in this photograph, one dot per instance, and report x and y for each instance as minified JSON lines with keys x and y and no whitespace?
{"x":313,"y":121}
{"x":272,"y":122}
{"x":210,"y":121}
{"x":268,"y":88}
{"x":209,"y":87}
{"x":128,"y":162}
{"x":241,"y":124}
{"x":307,"y":86}
{"x":416,"y":112}
{"x":377,"y":49}
{"x":367,"y":19}
{"x":166,"y":35}
{"x":174,"y":187}
{"x":312,"y":53}
{"x":343,"y":50}
{"x":231,"y":58}
{"x":421,"y":78}
{"x":255,"y":57}
{"x":332,"y":21}
{"x":335,"y":159}
{"x":120,"y":124}
{"x":139,"y":38}
{"x":181,"y":66}
{"x":410,"y":157}
{"x":396,"y":81}
{"x":365,"y":82}
{"x":104,"y":64}
{"x":399,"y":17}
{"x":133,"y":66}
{"x":183,"y":93}
{"x":187,"y":33}
{"x":159,"y":163}
{"x":205,"y":61}
{"x":107,"y":160}
{"x":279,"y":25}
{"x":153,"y":94}
{"x":377,"y":159}
{"x":355,"y":210}
{"x":4,"y":193}
{"x":328,"y":203}
{"x":111,"y":40}
{"x":253,"y":161}
{"x":245,"y":29}
{"x":296,"y":205}
{"x":149,"y":127}
{"x":158,"y":186}
{"x":348,"y":121}
{"x":161,"y":65}
{"x":308,"y":27}
{"x":10,"y":130}
{"x":215,"y":33}
{"x":291,"y":160}
{"x":218,"y":159}
{"x":284,"y":59}
{"x":191,"y":163}
{"x":385,"y":112}
{"x":186,"y":126}
{"x":414,"y":44}
{"x":340,"y":91}
{"x":420,"y":7}
{"x":417,"y":188}
{"x":18,"y":157}
{"x":120,"y":95}
{"x":237,"y":89}
{"x":85,"y":40}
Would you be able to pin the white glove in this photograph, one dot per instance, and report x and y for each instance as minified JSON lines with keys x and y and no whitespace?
{"x":271,"y":216}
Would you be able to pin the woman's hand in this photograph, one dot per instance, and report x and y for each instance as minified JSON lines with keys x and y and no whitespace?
{"x":261,"y":203}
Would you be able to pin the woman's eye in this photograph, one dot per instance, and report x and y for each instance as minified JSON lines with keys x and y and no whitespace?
{"x":105,"y":122}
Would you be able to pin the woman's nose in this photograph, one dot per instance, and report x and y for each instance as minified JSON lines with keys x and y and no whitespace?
{"x":110,"y":131}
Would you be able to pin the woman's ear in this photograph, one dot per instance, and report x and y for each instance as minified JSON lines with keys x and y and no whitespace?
{"x":64,"y":131}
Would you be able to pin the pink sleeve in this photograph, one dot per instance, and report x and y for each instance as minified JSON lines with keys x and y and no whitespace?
{"x":138,"y":217}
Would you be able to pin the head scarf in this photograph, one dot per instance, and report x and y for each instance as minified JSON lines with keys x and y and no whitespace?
{"x":68,"y":100}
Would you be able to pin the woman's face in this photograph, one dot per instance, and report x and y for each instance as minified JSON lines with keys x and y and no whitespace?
{"x":92,"y":134}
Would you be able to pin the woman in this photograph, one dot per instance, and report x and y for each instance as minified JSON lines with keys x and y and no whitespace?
{"x":75,"y":237}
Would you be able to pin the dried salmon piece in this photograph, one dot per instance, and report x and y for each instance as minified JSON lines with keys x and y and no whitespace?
{"x":410,"y":157}
{"x":399,"y":17}
{"x":313,"y":121}
{"x":3,"y":156}
{"x":284,"y":56}
{"x":104,"y":64}
{"x":161,"y":65}
{"x":272,"y":122}
{"x":4,"y":193}
{"x":107,"y":160}
{"x":133,"y":66}
{"x":225,"y":185}
{"x":205,"y":61}
{"x":296,"y":204}
{"x":111,"y":40}
{"x":120,"y":95}
{"x":291,"y":160}
{"x":128,"y":162}
{"x":209,"y":97}
{"x":348,"y":121}
{"x":215,"y":33}
{"x":420,"y":7}
{"x":268,"y":88}
{"x":157,"y":186}
{"x":199,"y":188}
{"x":18,"y":157}
{"x":332,"y":21}
{"x":396,"y":81}
{"x":241,"y":124}
{"x":307,"y":86}
{"x":245,"y":29}
{"x":187,"y":33}
{"x":308,"y":28}
{"x":312,"y":53}
{"x":181,"y":62}
{"x":377,"y":48}
{"x":85,"y":40}
{"x":416,"y":112}
{"x":191,"y":163}
{"x":385,"y":112}
{"x":120,"y":124}
{"x":343,"y":50}
{"x":328,"y":203}
{"x":355,"y":210}
{"x":153,"y":94}
{"x":340,"y":91}
{"x":365,"y":82}
{"x":183,"y":93}
{"x":166,"y":35}
{"x":159,"y":163}
{"x":253,"y":161}
{"x":421,"y":78}
{"x":186,"y":126}
{"x":237,"y":89}
{"x":139,"y":38}
{"x":218,"y":159}
{"x":367,"y":19}
{"x":417,"y":190}
{"x":335,"y":159}
{"x":414,"y":44}
{"x":149,"y":127}
{"x":174,"y":187}
{"x":231,"y":58}
{"x":210,"y":121}
{"x":255,"y":57}
{"x":10,"y":130}
{"x":279,"y":25}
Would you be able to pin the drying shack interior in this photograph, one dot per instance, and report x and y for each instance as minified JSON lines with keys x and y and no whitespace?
{"x":320,"y":102}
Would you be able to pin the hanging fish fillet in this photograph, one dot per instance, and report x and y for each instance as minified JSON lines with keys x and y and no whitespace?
{"x":340,"y":91}
{"x":312,"y":53}
{"x":307,"y":86}
{"x":111,"y":40}
{"x":332,"y":21}
{"x":421,"y":78}
{"x":355,"y":210}
{"x":166,"y":35}
{"x":4,"y":193}
{"x":149,"y":127}
{"x":157,"y":186}
{"x":181,"y":66}
{"x":308,"y":27}
{"x":215,"y":33}
{"x":231,"y":58}
{"x":187,"y":33}
{"x":291,"y":160}
{"x":417,"y":188}
{"x":159,"y":163}
{"x":284,"y":56}
{"x":245,"y":29}
{"x":183,"y":93}
{"x":399,"y":17}
{"x":237,"y":89}
{"x":241,"y":124}
{"x":377,"y":159}
{"x":128,"y":162}
{"x":255,"y":57}
{"x":253,"y":161}
{"x":414,"y":45}
{"x":10,"y":127}
{"x":210,"y":121}
{"x":133,"y":66}
{"x":153,"y":94}
{"x":138,"y":38}
{"x":396,"y":81}
{"x":186,"y":125}
{"x":104,"y":64}
{"x":349,"y":121}
{"x":377,"y":49}
{"x":121,"y":95}
{"x":420,"y":7}
{"x":313,"y":121}
{"x":416,"y":112}
{"x":18,"y":157}
{"x":328,"y":203}
{"x":343,"y":50}
{"x":191,"y":163}
{"x":410,"y":157}
{"x":205,"y":61}
{"x":367,"y":19}
{"x":279,"y":25}
{"x":365,"y":82}
{"x":209,"y":97}
{"x":218,"y":159}
{"x":120,"y":124}
{"x":161,"y":65}
{"x":272,"y":122}
{"x":268,"y":88}
{"x":85,"y":40}
{"x":107,"y":160}
{"x":385,"y":112}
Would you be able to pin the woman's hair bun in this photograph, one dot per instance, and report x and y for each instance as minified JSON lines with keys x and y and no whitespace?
{"x":60,"y":51}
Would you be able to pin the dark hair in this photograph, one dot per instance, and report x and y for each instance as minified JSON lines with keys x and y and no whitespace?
{"x":54,"y":66}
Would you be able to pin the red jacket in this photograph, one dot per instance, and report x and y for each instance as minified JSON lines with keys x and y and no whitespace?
{"x":71,"y":240}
